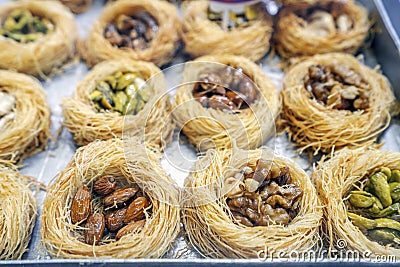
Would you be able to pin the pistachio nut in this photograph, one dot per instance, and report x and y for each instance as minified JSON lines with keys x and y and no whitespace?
{"x":395,"y":176}
{"x":384,"y":235}
{"x":378,"y":185}
{"x":395,"y":191}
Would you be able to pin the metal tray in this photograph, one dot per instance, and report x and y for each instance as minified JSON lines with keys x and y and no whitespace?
{"x":45,"y":165}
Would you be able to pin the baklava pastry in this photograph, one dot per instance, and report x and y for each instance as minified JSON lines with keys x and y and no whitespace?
{"x":323,"y":27}
{"x":114,"y":97}
{"x":18,"y":210}
{"x":334,"y":101}
{"x":133,"y":29}
{"x":24,"y":116}
{"x":360,"y":193}
{"x":205,"y":33}
{"x":100,"y":206}
{"x":247,"y":204}
{"x":36,"y":37}
{"x":77,"y":6}
{"x":226,"y":99}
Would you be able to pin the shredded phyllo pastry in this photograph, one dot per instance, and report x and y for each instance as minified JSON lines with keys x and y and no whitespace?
{"x":99,"y":206}
{"x":240,"y":202}
{"x":333,"y":100}
{"x":321,"y":27}
{"x":37,"y":37}
{"x":246,"y":34}
{"x":133,"y":29}
{"x":24,"y":116}
{"x":18,"y":211}
{"x":359,"y":190}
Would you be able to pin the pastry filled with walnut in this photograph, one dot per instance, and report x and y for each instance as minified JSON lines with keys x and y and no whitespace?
{"x":36,"y":37}
{"x":133,"y":29}
{"x":107,"y":209}
{"x":321,"y":27}
{"x":245,"y":32}
{"x":333,"y":100}
{"x":227,"y":89}
{"x":225,"y":99}
{"x":264,"y":195}
{"x":240,"y":200}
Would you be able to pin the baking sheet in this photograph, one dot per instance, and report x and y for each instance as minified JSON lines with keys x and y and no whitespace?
{"x":45,"y":165}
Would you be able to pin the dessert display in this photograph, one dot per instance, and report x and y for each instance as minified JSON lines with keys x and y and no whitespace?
{"x":233,"y":100}
{"x":139,"y":30}
{"x":114,"y":97}
{"x":97,"y":208}
{"x":18,"y":210}
{"x":147,"y":154}
{"x":321,"y":27}
{"x":36,"y":37}
{"x":245,"y":34}
{"x":360,"y":192}
{"x":24,"y":117}
{"x":334,"y":101}
{"x":243,"y":200}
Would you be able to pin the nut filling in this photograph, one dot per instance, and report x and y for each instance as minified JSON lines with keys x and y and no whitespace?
{"x":376,"y":207}
{"x":234,"y":20}
{"x":125,"y":93}
{"x":7,"y":106}
{"x":24,"y":27}
{"x":324,"y":20}
{"x":265,"y":196}
{"x":337,"y":87}
{"x":135,"y":31}
{"x":109,"y":210}
{"x":228,"y":89}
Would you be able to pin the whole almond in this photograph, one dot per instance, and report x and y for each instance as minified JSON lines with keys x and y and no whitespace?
{"x":115,"y":219}
{"x":81,"y":205}
{"x":135,"y":210}
{"x":105,"y":185}
{"x":120,"y":196}
{"x":130,"y":228}
{"x":95,"y":228}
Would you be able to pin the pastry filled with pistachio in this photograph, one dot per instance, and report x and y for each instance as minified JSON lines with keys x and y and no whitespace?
{"x":118,"y":96}
{"x":333,"y":101}
{"x":306,"y":29}
{"x":208,"y":30}
{"x":375,"y":208}
{"x":133,"y":29}
{"x":238,"y":201}
{"x":359,"y":190}
{"x":225,"y":97}
{"x":36,"y":37}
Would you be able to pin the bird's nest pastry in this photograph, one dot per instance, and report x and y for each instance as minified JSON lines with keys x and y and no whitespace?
{"x":145,"y":30}
{"x":103,"y":206}
{"x":24,"y":116}
{"x":224,"y":98}
{"x":114,"y":99}
{"x":246,"y":34}
{"x":334,"y":101}
{"x":324,"y":27}
{"x":36,"y":37}
{"x":18,"y":210}
{"x":359,"y":190}
{"x":245,"y":204}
